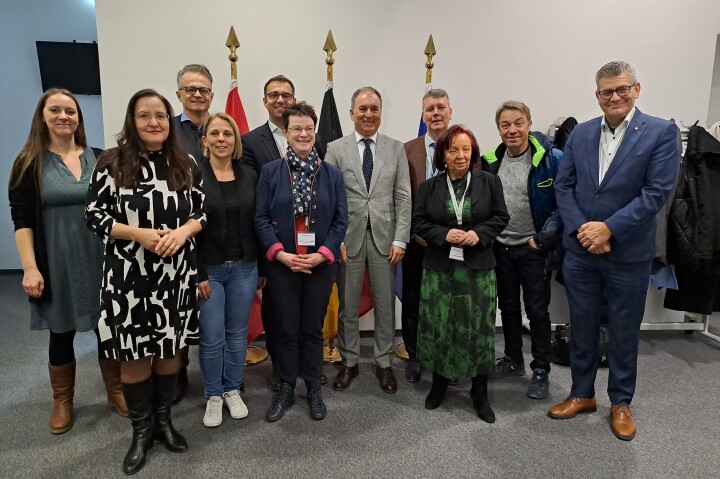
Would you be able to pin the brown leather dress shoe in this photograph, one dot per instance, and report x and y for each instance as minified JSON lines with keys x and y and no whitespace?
{"x":387,"y":380}
{"x":622,"y":422}
{"x":345,"y":377}
{"x":571,"y":407}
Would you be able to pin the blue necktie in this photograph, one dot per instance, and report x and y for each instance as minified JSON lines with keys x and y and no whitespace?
{"x":430,"y":166}
{"x":367,"y":165}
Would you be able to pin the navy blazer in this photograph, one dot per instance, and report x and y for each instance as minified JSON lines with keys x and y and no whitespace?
{"x":432,"y":221}
{"x":259,"y":148}
{"x":274,"y":219}
{"x":635,"y":187}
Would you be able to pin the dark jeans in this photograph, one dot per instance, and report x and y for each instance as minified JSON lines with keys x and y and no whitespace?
{"x":522,"y":267}
{"x":411,"y":279}
{"x":301,"y":302}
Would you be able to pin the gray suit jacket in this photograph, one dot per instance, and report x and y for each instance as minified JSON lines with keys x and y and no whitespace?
{"x":387,"y":203}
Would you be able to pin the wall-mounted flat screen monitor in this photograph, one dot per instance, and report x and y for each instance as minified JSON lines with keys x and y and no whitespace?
{"x":70,"y":65}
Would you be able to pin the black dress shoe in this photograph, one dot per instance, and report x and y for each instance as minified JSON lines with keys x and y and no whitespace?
{"x":317,"y":406}
{"x":413,"y":372}
{"x":387,"y":380}
{"x":345,"y":377}
{"x":281,"y":402}
{"x":274,"y":379}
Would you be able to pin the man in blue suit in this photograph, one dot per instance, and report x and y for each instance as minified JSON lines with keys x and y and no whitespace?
{"x":617,"y":172}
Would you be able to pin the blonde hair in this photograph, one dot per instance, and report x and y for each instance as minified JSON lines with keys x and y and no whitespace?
{"x":237,"y":151}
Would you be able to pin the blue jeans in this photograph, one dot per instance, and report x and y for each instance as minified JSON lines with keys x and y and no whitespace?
{"x":224,"y":325}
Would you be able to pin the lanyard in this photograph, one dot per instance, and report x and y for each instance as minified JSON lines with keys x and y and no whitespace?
{"x":458,"y":207}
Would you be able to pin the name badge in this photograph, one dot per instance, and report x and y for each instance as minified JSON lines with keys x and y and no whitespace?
{"x":456,"y":253}
{"x":306,"y":239}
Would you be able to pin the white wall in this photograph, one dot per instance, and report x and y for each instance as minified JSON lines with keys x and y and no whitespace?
{"x":714,"y":108}
{"x":542,"y":52}
{"x":21,"y":24}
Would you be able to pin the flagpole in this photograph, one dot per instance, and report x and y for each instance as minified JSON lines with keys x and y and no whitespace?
{"x":331,"y":354}
{"x":400,"y":351}
{"x":255,"y":354}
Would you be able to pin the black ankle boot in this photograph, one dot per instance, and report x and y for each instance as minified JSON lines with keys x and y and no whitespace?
{"x":437,"y":391}
{"x":479,"y":395}
{"x":164,"y":389}
{"x":138,"y":398}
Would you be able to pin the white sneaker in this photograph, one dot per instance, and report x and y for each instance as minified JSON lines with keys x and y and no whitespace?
{"x":235,"y":404}
{"x":213,"y":412}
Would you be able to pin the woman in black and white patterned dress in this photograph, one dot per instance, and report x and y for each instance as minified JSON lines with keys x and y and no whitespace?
{"x":145,"y":201}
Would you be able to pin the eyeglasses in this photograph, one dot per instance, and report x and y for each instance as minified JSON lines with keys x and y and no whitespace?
{"x":455,"y":152}
{"x":145,"y":117}
{"x":274,"y":95}
{"x":298,"y":129}
{"x":191,"y":90}
{"x":622,"y":91}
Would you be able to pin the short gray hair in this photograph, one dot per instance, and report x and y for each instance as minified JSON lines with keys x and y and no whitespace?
{"x":364,"y":89}
{"x":512,"y":105}
{"x":194,"y":68}
{"x":436,"y":93}
{"x":614,"y":69}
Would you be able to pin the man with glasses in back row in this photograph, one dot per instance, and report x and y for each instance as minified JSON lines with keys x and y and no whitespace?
{"x":194,"y":91}
{"x":617,"y":172}
{"x":260,"y":146}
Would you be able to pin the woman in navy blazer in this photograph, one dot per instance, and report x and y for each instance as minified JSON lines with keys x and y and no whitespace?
{"x":227,"y":268}
{"x":301,"y":220}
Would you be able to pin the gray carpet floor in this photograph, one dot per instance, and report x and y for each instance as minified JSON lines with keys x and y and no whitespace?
{"x":368,"y":433}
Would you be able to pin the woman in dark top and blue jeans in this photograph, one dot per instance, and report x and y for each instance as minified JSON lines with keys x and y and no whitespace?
{"x":228,"y":272}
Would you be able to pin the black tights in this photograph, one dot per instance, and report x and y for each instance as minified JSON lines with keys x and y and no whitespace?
{"x":61,"y":350}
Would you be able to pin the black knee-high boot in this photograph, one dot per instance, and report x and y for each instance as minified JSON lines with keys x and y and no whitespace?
{"x":437,"y":391}
{"x":164,"y":391}
{"x":138,"y":398}
{"x":479,"y":395}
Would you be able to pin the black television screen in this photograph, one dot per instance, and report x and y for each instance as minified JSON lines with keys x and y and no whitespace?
{"x":70,"y":65}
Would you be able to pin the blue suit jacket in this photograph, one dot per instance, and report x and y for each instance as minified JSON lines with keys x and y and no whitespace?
{"x":274,"y":219}
{"x":635,"y":187}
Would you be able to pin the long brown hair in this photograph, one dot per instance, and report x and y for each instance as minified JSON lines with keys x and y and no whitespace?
{"x":126,"y":160}
{"x":38,"y":140}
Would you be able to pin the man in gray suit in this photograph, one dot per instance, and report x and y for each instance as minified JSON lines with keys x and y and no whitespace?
{"x":377,"y":180}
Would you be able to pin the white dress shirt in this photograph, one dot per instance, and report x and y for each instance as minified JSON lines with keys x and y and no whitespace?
{"x":610,"y":143}
{"x":279,"y":138}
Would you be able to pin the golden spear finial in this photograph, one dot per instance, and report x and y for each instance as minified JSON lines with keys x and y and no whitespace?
{"x":329,"y":48}
{"x":429,"y":52}
{"x":233,"y":44}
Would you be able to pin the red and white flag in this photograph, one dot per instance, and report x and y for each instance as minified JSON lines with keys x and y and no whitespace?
{"x":234,"y":108}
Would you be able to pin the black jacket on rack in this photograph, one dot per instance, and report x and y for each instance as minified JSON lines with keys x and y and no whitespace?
{"x":694,"y":227}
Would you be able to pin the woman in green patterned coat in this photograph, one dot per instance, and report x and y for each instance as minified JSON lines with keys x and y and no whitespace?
{"x":458,"y":213}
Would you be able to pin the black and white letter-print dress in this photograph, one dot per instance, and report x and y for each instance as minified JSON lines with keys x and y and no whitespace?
{"x":148,"y":303}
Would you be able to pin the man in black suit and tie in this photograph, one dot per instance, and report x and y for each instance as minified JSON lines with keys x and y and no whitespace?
{"x":263,"y":145}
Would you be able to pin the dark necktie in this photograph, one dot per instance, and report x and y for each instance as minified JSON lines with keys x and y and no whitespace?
{"x":367,"y":165}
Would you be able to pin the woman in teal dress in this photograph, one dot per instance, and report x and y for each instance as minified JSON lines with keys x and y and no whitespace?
{"x":458,"y":213}
{"x":61,"y":259}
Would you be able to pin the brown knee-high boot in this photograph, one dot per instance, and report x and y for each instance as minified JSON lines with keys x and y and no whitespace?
{"x":62,"y":379}
{"x":110,"y":370}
